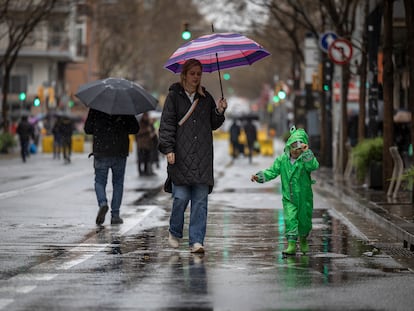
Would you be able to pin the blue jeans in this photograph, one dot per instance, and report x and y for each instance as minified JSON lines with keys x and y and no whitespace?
{"x":117,"y":166}
{"x":198,"y":195}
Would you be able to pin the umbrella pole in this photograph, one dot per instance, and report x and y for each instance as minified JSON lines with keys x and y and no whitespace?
{"x":221,"y":86}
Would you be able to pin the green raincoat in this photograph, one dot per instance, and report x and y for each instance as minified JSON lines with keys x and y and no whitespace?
{"x":297,"y":195}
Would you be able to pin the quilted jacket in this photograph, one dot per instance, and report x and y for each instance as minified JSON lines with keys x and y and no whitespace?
{"x":192,"y":142}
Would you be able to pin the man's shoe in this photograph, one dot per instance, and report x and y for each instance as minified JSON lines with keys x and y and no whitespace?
{"x":101,"y":215}
{"x":116,"y":220}
{"x":173,"y":241}
{"x":197,"y":248}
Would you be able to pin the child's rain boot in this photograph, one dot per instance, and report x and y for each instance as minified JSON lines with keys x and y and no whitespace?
{"x":291,"y":249}
{"x":304,"y":246}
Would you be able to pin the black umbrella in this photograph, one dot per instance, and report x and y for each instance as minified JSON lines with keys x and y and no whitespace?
{"x":116,"y":96}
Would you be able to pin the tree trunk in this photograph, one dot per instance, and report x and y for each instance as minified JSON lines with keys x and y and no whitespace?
{"x":363,"y":78}
{"x":409,"y":19}
{"x":346,"y":76}
{"x":388,"y":88}
{"x":5,"y":106}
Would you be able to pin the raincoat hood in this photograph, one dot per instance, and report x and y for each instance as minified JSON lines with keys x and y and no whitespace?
{"x":296,"y":135}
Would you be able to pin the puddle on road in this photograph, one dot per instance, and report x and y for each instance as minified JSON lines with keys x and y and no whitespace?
{"x":249,"y":245}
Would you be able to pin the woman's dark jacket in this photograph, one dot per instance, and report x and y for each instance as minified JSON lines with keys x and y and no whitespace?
{"x":110,"y":133}
{"x":191,"y":142}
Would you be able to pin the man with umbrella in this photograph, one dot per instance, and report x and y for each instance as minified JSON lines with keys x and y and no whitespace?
{"x":110,"y":151}
{"x":113,"y":103}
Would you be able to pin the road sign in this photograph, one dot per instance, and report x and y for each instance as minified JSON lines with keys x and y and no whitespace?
{"x":326,"y":39}
{"x":340,"y":51}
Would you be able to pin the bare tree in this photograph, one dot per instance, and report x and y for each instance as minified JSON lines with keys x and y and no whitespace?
{"x":18,"y":18}
{"x":137,"y":37}
{"x":388,"y":88}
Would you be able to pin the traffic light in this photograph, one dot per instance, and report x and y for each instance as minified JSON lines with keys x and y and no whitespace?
{"x":186,"y":34}
{"x":22,"y":96}
{"x":327,"y":75}
{"x":276,"y":99}
{"x":281,"y":94}
{"x":36,"y":102}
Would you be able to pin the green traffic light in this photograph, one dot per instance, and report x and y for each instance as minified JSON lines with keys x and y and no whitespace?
{"x":22,"y":96}
{"x":326,"y":87}
{"x":281,"y":94}
{"x":186,"y":35}
{"x":36,"y":102}
{"x":276,"y":99}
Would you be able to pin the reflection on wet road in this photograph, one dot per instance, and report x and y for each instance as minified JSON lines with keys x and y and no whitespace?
{"x":131,"y":267}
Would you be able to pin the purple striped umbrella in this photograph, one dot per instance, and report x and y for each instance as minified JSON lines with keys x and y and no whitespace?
{"x":217,"y":51}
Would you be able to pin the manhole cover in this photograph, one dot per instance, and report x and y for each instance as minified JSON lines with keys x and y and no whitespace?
{"x":395,"y":251}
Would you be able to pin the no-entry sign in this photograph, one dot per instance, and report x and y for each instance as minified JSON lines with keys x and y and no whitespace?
{"x":340,"y":51}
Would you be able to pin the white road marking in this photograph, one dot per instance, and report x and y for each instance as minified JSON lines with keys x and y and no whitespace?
{"x":43,"y":185}
{"x":25,"y":289}
{"x":5,"y":302}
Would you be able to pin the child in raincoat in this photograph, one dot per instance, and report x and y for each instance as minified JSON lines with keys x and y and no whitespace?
{"x":294,"y":167}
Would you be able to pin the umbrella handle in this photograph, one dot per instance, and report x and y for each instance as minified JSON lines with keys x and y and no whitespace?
{"x":221,"y":86}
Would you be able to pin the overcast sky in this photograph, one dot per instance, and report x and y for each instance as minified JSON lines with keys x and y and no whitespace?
{"x":223,"y":16}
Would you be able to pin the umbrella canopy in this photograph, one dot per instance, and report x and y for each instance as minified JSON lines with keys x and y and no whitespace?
{"x":116,"y":96}
{"x":217,"y":51}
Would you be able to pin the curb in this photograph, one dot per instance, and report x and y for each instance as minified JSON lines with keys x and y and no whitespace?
{"x":370,"y":210}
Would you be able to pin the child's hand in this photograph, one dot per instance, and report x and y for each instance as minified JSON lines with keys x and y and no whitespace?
{"x":254,"y":178}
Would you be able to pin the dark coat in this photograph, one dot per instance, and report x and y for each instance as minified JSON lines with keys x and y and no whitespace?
{"x":193,"y":141}
{"x":234,"y":133}
{"x":65,"y":128}
{"x":251,"y":133}
{"x":145,"y":136}
{"x":25,"y":130}
{"x":110,"y":133}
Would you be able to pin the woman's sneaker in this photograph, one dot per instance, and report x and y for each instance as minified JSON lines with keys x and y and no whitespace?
{"x":173,"y":241}
{"x":197,"y":248}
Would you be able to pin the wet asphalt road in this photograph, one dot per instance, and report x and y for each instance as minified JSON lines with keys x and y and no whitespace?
{"x":54,"y":258}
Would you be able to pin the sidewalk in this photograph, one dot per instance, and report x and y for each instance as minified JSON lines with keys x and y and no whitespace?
{"x":396,"y":216}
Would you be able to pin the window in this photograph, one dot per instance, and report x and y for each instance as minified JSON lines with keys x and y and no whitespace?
{"x":18,"y":83}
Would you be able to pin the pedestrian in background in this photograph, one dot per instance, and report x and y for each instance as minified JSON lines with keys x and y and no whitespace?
{"x":110,"y":151}
{"x":294,"y":167}
{"x":25,"y":131}
{"x":189,"y":116}
{"x":66,"y":130}
{"x":145,"y":145}
{"x":155,"y":153}
{"x":251,"y":137}
{"x":234,"y":138}
{"x":57,"y":138}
